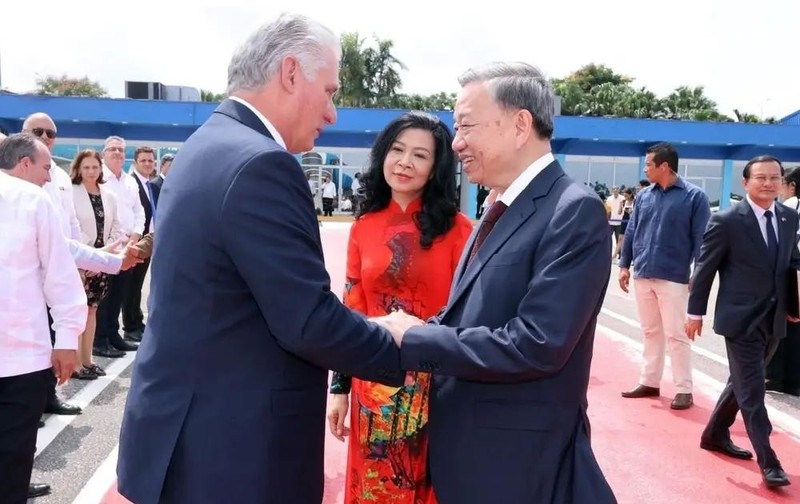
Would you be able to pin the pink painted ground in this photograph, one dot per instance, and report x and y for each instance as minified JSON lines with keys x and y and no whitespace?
{"x":648,"y":452}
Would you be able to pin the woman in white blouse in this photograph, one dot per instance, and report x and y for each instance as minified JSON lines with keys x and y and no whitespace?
{"x":96,"y":209}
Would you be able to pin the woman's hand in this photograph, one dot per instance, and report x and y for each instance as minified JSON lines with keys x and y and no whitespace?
{"x":337,"y":412}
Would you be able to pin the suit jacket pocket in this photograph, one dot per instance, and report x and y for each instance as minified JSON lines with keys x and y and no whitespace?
{"x":517,"y":415}
{"x":306,"y":401}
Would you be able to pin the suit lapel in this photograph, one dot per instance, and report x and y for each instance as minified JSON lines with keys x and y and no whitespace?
{"x":752,"y":227}
{"x":244,"y":115}
{"x":523,"y":207}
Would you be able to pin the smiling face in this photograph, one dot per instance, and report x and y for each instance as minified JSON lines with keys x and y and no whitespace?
{"x":484,"y":140}
{"x":408,"y":164}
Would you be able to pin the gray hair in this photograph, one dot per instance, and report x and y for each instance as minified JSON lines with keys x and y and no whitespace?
{"x":258,"y":60}
{"x":16,"y":147}
{"x":112,"y":139}
{"x":518,"y":86}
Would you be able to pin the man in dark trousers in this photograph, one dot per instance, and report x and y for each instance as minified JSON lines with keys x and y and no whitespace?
{"x":752,"y":246}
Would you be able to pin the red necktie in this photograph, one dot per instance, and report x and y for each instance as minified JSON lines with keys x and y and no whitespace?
{"x":488,"y":222}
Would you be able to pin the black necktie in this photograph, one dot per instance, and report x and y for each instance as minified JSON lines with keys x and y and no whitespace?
{"x":772,"y":240}
{"x":492,"y":216}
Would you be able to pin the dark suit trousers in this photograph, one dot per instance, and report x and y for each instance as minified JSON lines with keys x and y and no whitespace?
{"x":785,"y":364}
{"x":745,"y":391}
{"x":108,"y":310}
{"x":22,"y":402}
{"x":132,"y":316}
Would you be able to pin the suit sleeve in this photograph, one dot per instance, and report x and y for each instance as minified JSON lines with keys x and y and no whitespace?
{"x":271,"y":233}
{"x":354,"y":298}
{"x":700,"y":216}
{"x":571,"y":270}
{"x":713,"y":251}
{"x":626,"y":254}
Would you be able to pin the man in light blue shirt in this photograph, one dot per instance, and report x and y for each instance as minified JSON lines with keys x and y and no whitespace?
{"x":662,"y":240}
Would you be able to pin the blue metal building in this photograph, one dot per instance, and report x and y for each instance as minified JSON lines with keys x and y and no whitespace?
{"x":713,"y":151}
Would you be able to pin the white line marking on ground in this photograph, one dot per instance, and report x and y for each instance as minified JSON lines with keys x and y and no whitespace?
{"x":57,"y":423}
{"x":95,"y":489}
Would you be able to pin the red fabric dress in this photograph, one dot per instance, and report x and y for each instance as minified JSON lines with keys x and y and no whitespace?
{"x":386,"y":269}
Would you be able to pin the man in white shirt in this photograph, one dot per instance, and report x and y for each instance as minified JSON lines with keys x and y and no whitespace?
{"x":37,"y":271}
{"x":108,"y":342}
{"x":328,"y":196}
{"x":59,"y":188}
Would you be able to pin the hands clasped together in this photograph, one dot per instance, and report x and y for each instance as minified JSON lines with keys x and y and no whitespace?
{"x":397,"y":323}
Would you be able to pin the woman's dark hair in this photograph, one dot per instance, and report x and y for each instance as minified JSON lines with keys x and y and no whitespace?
{"x":439,"y":208}
{"x":792,"y":176}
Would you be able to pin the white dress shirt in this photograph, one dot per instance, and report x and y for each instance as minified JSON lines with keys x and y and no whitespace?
{"x":36,"y":271}
{"x":525,"y":178}
{"x":60,"y":190}
{"x":145,"y":182}
{"x":129,"y":208}
{"x":762,"y":221}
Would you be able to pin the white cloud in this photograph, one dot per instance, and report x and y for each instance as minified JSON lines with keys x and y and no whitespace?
{"x":736,"y":52}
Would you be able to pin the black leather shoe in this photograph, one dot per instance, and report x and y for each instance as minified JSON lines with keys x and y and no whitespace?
{"x":135,"y":336}
{"x":682,"y":402}
{"x":107,"y":351}
{"x":38,"y":490}
{"x":642,"y":391}
{"x":773,"y":385}
{"x":41,"y":423}
{"x":727,"y":448}
{"x":774,"y":477}
{"x":125,"y":346}
{"x":58,"y":407}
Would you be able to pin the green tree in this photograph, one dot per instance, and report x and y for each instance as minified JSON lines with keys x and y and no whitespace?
{"x":69,"y":86}
{"x":210,"y":96}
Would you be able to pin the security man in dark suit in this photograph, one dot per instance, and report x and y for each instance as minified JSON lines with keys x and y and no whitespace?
{"x":752,"y":246}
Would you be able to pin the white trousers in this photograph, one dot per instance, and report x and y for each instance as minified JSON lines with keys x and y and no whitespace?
{"x":662,"y":312}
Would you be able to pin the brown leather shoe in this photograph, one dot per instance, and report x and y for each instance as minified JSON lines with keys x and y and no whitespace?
{"x":682,"y":401}
{"x":642,"y":391}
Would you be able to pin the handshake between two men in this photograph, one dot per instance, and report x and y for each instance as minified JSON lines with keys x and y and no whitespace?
{"x":397,"y":323}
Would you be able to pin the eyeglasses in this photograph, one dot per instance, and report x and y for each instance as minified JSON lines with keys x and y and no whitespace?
{"x":114,"y":149}
{"x":51,"y":134}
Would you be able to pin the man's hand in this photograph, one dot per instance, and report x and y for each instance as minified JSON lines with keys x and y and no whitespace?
{"x":135,"y":237}
{"x":398,"y":323}
{"x":624,"y":279}
{"x":64,"y":364}
{"x":693,"y":327}
{"x":791,"y":319}
{"x":115,"y":247}
{"x":130,"y":258}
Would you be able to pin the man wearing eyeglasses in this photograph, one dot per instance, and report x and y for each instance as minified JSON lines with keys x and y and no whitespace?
{"x":752,"y":246}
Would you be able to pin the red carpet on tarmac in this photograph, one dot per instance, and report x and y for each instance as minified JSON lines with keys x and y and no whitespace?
{"x":649,"y":453}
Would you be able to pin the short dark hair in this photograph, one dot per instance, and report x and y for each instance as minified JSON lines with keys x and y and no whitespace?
{"x":143,"y":150}
{"x":760,"y":159}
{"x":792,"y":176}
{"x":664,"y":153}
{"x":75,"y":169}
{"x":644,"y":182}
{"x":17,"y":147}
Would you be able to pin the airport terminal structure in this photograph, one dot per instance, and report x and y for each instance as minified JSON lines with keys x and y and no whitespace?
{"x":609,"y":151}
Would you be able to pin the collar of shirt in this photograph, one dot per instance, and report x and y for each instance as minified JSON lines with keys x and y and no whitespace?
{"x":679,"y":184}
{"x":109,"y":175}
{"x":141,"y":178}
{"x":760,"y":211}
{"x":272,"y":130}
{"x":525,"y":178}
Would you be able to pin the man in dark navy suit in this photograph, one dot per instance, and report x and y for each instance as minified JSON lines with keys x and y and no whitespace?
{"x":753,"y":247}
{"x":227,"y":398}
{"x":513,"y":347}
